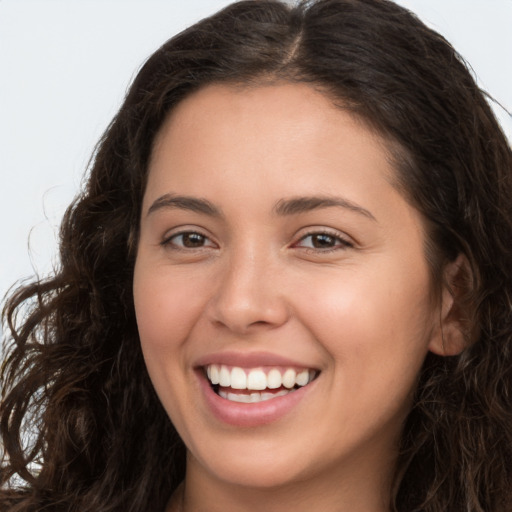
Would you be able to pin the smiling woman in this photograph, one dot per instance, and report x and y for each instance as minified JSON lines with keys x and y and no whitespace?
{"x":290,"y":305}
{"x":275,"y":292}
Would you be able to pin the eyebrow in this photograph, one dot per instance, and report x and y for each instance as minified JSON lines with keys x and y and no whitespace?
{"x":297,"y":205}
{"x":284,"y":207}
{"x":194,"y":204}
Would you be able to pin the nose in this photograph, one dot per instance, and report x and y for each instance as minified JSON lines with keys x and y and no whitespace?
{"x":248,"y":295}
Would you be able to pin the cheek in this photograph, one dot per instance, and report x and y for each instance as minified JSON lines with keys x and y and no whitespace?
{"x":375,"y":326}
{"x":169,"y":308}
{"x":165,"y":308}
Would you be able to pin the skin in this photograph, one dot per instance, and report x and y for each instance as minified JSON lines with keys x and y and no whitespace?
{"x":358,"y":308}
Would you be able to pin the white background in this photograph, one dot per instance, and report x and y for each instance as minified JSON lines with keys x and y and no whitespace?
{"x":65,"y":66}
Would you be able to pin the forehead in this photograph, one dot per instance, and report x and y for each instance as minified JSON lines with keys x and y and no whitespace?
{"x":212,"y":104}
{"x":264,"y":132}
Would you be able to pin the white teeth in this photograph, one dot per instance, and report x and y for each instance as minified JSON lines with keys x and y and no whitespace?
{"x":213,"y":373}
{"x":274,"y":379}
{"x":256,"y":379}
{"x":302,"y":378}
{"x":289,"y":378}
{"x":236,"y":397}
{"x":238,"y":378}
{"x":253,"y":397}
{"x":224,"y":377}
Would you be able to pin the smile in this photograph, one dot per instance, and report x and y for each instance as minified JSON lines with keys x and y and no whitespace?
{"x":253,"y":385}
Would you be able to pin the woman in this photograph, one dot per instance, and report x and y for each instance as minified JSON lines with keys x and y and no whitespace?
{"x":287,"y":284}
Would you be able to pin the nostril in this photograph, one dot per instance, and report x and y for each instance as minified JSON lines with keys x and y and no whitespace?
{"x":260,"y":322}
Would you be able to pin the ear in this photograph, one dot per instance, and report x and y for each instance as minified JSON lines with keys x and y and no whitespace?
{"x":450,"y":335}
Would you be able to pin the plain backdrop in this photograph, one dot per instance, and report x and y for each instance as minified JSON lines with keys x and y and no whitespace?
{"x":64,"y":69}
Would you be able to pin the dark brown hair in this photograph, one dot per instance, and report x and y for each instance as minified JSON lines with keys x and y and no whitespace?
{"x":82,"y":427}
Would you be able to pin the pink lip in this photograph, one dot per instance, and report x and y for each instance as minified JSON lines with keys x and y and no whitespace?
{"x":248,"y":360}
{"x":252,"y":414}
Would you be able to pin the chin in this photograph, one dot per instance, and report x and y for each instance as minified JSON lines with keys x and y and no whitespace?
{"x":256,"y":466}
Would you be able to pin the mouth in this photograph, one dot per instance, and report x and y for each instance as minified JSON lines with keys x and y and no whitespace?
{"x":254,"y":385}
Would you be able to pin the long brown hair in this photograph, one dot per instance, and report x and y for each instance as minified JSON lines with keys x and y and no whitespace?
{"x":82,"y":427}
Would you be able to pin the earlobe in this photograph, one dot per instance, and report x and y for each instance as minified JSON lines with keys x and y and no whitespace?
{"x":450,"y":336}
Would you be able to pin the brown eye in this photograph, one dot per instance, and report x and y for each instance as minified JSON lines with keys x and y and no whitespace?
{"x":323,"y":241}
{"x":188,"y":240}
{"x":193,"y":240}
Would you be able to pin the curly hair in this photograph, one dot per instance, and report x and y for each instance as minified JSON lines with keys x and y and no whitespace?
{"x":82,"y":427}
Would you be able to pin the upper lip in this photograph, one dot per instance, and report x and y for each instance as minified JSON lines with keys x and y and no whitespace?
{"x":249,"y":360}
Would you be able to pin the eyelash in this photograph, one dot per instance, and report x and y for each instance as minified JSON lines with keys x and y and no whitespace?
{"x":342,"y":243}
{"x":170,"y":240}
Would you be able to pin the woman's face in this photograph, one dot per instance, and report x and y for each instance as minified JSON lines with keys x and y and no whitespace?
{"x":275,"y":255}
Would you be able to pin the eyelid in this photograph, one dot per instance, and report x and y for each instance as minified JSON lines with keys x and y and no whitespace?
{"x":344,"y":241}
{"x":167,"y":240}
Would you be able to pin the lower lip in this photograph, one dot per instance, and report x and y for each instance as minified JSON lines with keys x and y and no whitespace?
{"x":252,"y":414}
